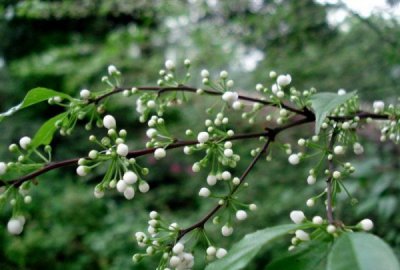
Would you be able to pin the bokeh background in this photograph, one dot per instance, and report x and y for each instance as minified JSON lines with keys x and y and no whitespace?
{"x":67,"y":45}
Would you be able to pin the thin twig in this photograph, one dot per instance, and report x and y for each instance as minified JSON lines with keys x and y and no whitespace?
{"x":329,"y":208}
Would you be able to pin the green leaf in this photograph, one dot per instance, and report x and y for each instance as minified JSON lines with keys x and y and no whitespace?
{"x":34,"y":96}
{"x":308,"y":256}
{"x":324,"y":103}
{"x":361,"y":251}
{"x":246,"y":249}
{"x":45,"y":133}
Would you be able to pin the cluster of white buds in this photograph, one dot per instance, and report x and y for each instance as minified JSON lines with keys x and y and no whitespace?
{"x":180,"y":259}
{"x":125,"y":185}
{"x":230,"y":97}
{"x":213,"y":252}
{"x":16,"y":225}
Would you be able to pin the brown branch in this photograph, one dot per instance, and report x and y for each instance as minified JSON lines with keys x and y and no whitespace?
{"x":64,"y":163}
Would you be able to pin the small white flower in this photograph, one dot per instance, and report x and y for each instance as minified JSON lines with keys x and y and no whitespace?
{"x":275,"y":88}
{"x":211,"y":251}
{"x":121,"y":186}
{"x":366,"y":224}
{"x":241,"y":215}
{"x":204,"y":192}
{"x":253,"y":207}
{"x":82,"y":170}
{"x":236,"y":181}
{"x":379,"y":106}
{"x":153,"y":215}
{"x":230,"y":97}
{"x":151,"y":104}
{"x":15,"y":226}
{"x":122,"y":150}
{"x":203,"y":137}
{"x":24,"y":142}
{"x":98,"y":193}
{"x":223,"y":74}
{"x":221,"y":252}
{"x":112,"y":70}
{"x":230,"y":83}
{"x":144,"y":187}
{"x":302,"y":235}
{"x":317,"y":220}
{"x":226,"y":175}
{"x":272,"y":74}
{"x":310,"y":202}
{"x":130,"y":177}
{"x":284,"y":80}
{"x":294,"y":159}
{"x":358,"y":148}
{"x":237,"y":105}
{"x":297,"y":216}
{"x":226,"y":230}
{"x":151,"y":133}
{"x":341,"y":92}
{"x":174,"y":261}
{"x":84,"y":94}
{"x":211,"y":179}
{"x":169,"y":64}
{"x":186,"y":62}
{"x":178,"y":248}
{"x":338,"y":150}
{"x":311,"y":180}
{"x":301,"y":142}
{"x":336,"y":174}
{"x":331,"y":229}
{"x":109,"y":122}
{"x":205,"y":73}
{"x":228,"y":152}
{"x":3,"y":168}
{"x":160,"y":153}
{"x":196,"y":167}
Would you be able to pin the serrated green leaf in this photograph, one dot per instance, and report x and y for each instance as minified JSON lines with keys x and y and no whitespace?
{"x":45,"y":133}
{"x":34,"y":96}
{"x":361,"y":251}
{"x":246,"y":249}
{"x":309,"y":256}
{"x":324,"y":103}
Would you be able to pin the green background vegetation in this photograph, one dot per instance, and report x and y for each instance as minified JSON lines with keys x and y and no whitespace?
{"x":67,"y":46}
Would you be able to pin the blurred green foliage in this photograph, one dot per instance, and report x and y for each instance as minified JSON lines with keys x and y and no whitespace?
{"x":67,"y":45}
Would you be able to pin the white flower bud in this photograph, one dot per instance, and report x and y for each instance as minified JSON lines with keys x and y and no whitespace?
{"x":336,"y":174}
{"x":241,"y":215}
{"x":175,"y":261}
{"x":358,"y":148}
{"x":226,"y":230}
{"x":211,"y":180}
{"x":272,"y":74}
{"x":297,"y":216}
{"x":302,"y":235}
{"x":253,"y":207}
{"x":230,"y":97}
{"x":205,"y":73}
{"x":130,"y":177}
{"x":98,"y":193}
{"x":311,"y":180}
{"x":3,"y":168}
{"x":178,"y":248}
{"x":228,"y":152}
{"x":230,"y":83}
{"x":169,"y":64}
{"x":379,"y":106}
{"x":203,"y":137}
{"x":15,"y":226}
{"x":24,"y":142}
{"x":331,"y":229}
{"x":112,"y":70}
{"x":294,"y":159}
{"x":160,"y":153}
{"x":341,"y":92}
{"x":284,"y":80}
{"x":196,"y":167}
{"x":226,"y":175}
{"x":109,"y":122}
{"x":317,"y":220}
{"x":204,"y":192}
{"x":237,"y":105}
{"x":338,"y":150}
{"x":82,"y":170}
{"x":85,"y":94}
{"x":310,"y":202}
{"x":221,"y":252}
{"x":122,"y":150}
{"x":121,"y":186}
{"x":223,"y":74}
{"x":144,"y":187}
{"x":366,"y":224}
{"x":211,"y":251}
